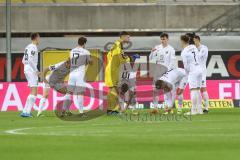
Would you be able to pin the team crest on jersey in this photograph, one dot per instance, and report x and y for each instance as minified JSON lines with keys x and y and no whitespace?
{"x":32,"y":53}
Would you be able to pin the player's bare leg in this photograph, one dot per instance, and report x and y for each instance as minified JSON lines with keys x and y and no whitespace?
{"x":205,"y":99}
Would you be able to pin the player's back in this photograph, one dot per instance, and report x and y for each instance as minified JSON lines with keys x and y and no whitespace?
{"x":203,"y":52}
{"x":127,"y":74}
{"x":58,"y":71}
{"x":30,"y":58}
{"x":79,"y":57}
{"x":173,"y":76}
{"x":191,"y":58}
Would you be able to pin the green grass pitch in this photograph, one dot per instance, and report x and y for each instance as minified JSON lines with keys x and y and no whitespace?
{"x":212,"y":136}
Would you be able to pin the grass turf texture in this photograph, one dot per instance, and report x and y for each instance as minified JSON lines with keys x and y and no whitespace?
{"x":212,"y":136}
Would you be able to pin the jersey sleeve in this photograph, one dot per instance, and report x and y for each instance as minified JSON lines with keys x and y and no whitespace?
{"x":88,"y":57}
{"x":152,"y":55}
{"x":172,"y":59}
{"x":185,"y":62}
{"x":30,"y":59}
{"x":55,"y":66}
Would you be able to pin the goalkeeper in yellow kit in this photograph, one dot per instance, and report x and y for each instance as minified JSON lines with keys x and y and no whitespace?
{"x":115,"y":58}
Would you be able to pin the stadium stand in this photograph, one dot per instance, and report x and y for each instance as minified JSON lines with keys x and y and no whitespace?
{"x":124,"y":1}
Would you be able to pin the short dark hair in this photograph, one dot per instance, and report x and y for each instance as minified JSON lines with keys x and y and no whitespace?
{"x":159,"y":84}
{"x":164,"y":35}
{"x":124,"y":88}
{"x":197,"y":37}
{"x":185,"y":38}
{"x":34,"y":36}
{"x":82,"y":41}
{"x":123,"y":33}
{"x":191,"y":36}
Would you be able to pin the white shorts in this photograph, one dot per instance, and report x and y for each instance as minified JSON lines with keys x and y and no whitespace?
{"x":195,"y":79}
{"x":204,"y":78}
{"x":32,"y":78}
{"x":76,"y":83}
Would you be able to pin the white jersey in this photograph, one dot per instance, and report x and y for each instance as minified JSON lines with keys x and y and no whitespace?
{"x":127,"y":75}
{"x":191,"y":59}
{"x":58,"y":72}
{"x":163,"y":55}
{"x":30,"y":58}
{"x":203,"y":52}
{"x":175,"y":77}
{"x":79,"y":58}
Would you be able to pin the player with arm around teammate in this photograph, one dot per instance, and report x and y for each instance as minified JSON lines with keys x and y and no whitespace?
{"x":30,"y":61}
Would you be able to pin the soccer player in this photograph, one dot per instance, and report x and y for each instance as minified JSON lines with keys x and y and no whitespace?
{"x":55,"y":79}
{"x":127,"y":84}
{"x":191,"y":62}
{"x":79,"y":59}
{"x":169,"y":82}
{"x":30,"y":61}
{"x":163,"y":54}
{"x":203,"y":50}
{"x":115,"y":58}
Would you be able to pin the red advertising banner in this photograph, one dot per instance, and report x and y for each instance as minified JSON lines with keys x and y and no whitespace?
{"x":13,"y":95}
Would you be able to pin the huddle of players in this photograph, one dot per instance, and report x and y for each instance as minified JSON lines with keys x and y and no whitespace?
{"x":75,"y":66}
{"x":194,"y":56}
{"x":172,"y":82}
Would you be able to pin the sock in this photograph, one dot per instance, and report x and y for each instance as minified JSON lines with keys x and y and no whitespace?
{"x":206,"y":99}
{"x":121,"y":102}
{"x":180,"y":101}
{"x":155,"y":99}
{"x":199,"y":100}
{"x":112,"y":99}
{"x":80,"y":103}
{"x":194,"y":100}
{"x":168,"y":100}
{"x":29,"y":103}
{"x":67,"y":102}
{"x":42,"y":104}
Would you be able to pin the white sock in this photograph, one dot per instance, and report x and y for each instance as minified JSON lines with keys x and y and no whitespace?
{"x":80,"y":103}
{"x":206,"y":99}
{"x":29,"y":103}
{"x":180,"y":101}
{"x":155,"y":99}
{"x":42,"y":104}
{"x":199,"y":100}
{"x":194,"y":100}
{"x":67,"y":102}
{"x":121,"y":102}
